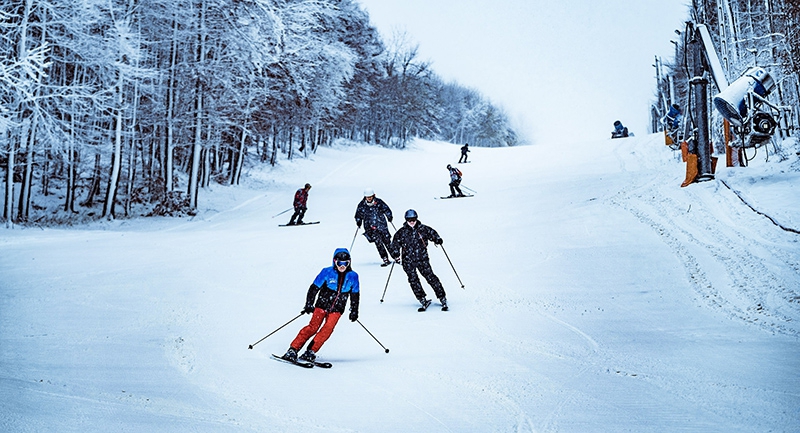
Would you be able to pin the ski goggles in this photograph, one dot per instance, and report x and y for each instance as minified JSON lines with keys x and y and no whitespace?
{"x":344,"y":263}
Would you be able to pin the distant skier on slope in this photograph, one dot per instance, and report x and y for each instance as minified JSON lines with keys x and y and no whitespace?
{"x":455,"y":181}
{"x":374,"y":213}
{"x":334,"y":285}
{"x":300,"y":200}
{"x":619,"y":130}
{"x":412,"y":238}
{"x":464,"y":150}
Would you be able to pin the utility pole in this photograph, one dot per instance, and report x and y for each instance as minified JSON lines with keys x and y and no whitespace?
{"x":699,"y":114}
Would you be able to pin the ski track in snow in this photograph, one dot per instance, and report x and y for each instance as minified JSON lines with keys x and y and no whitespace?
{"x":750,"y":290}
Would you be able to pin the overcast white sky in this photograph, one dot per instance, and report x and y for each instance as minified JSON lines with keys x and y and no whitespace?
{"x":563,"y":70}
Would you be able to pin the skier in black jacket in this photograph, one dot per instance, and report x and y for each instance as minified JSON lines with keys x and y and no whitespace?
{"x":413,"y":239}
{"x":374,"y":212}
{"x":464,"y":150}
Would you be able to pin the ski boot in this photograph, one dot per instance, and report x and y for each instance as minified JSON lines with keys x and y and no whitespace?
{"x":443,"y":301}
{"x":290,"y":355}
{"x":308,"y":355}
{"x":425,"y":304}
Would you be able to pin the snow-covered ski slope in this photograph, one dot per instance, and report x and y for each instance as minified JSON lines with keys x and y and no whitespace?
{"x":599,"y":297}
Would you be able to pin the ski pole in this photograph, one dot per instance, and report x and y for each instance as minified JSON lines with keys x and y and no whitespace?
{"x":354,"y":239}
{"x":387,"y":281}
{"x":373,"y":337}
{"x":469,"y":189}
{"x":265,"y":337}
{"x":287,"y":210}
{"x":451,"y":265}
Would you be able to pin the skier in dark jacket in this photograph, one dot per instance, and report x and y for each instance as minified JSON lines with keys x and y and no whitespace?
{"x":374,"y":212}
{"x":464,"y":150}
{"x":455,"y":181}
{"x":331,"y":289}
{"x":300,"y":199}
{"x":413,"y":238}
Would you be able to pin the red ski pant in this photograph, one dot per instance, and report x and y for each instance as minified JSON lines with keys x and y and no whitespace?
{"x":313,"y":329}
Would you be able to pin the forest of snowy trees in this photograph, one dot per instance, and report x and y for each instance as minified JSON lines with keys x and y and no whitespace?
{"x":116,"y":105}
{"x":745,"y":33}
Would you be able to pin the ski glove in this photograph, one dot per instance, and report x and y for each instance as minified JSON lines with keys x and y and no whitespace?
{"x":353,"y":316}
{"x":308,"y":309}
{"x":439,"y":241}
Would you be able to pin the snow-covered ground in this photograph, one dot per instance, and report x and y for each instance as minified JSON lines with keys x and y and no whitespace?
{"x":599,"y":296}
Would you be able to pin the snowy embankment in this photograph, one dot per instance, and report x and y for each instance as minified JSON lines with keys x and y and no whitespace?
{"x":599,"y":297}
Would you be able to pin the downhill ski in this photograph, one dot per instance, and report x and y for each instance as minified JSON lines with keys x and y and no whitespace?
{"x":301,"y":224}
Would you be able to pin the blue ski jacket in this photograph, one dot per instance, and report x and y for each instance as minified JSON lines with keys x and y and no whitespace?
{"x":334,"y":288}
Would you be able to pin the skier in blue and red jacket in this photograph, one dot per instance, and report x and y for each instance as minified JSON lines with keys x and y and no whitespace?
{"x":331,"y":289}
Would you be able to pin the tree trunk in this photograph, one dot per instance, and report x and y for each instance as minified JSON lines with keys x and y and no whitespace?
{"x":26,"y":143}
{"x":69,"y":194}
{"x":198,"y":131}
{"x":273,"y":157}
{"x":8,"y":210}
{"x":170,"y":144}
{"x":240,"y":156}
{"x":94,"y":188}
{"x":116,"y":160}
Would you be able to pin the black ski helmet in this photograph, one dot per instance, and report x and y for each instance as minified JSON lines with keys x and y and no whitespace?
{"x":341,"y":254}
{"x":449,"y":166}
{"x":411,"y":214}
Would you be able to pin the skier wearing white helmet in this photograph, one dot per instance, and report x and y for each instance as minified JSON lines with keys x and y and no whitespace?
{"x":373,"y":213}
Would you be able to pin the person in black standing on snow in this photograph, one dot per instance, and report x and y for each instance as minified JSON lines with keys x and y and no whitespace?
{"x":412,"y":238}
{"x":464,"y":150}
{"x":374,"y":212}
{"x":455,"y":181}
{"x":300,"y":199}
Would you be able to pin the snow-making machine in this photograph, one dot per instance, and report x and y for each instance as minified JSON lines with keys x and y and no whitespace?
{"x":743,"y":104}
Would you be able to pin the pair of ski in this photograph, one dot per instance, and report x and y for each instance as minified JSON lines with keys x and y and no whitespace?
{"x":455,"y":196}
{"x":303,"y":363}
{"x":301,"y":224}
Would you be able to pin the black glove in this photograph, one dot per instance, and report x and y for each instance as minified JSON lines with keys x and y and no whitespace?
{"x":308,"y":309}
{"x":389,"y":218}
{"x":358,"y":224}
{"x":353,"y":316}
{"x":439,"y":241}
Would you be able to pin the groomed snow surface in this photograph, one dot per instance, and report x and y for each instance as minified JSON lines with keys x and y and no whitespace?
{"x":599,"y":296}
